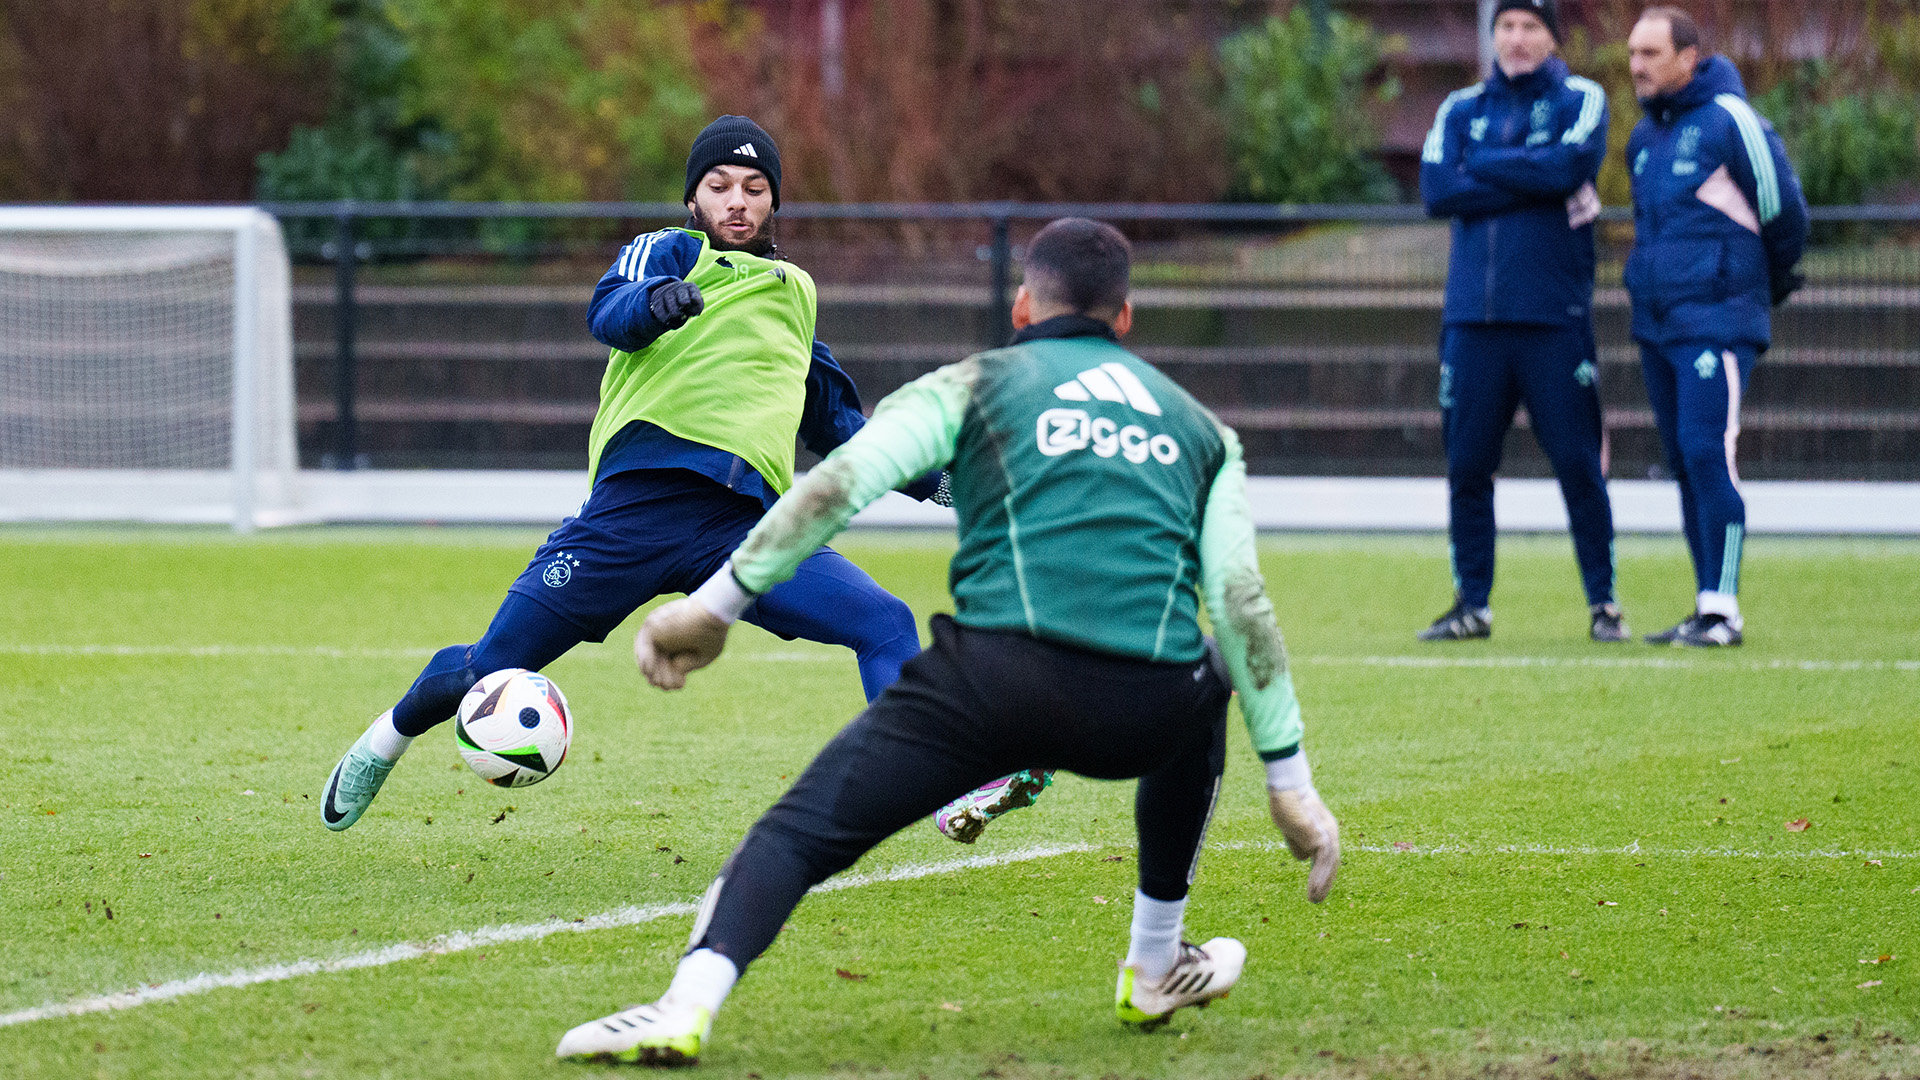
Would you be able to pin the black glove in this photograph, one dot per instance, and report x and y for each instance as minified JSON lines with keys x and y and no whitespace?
{"x":675,"y":302}
{"x":1786,"y":285}
{"x":943,"y":495}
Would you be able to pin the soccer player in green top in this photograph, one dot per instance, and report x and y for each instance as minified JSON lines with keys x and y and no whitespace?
{"x":1098,"y":503}
{"x":714,"y":369}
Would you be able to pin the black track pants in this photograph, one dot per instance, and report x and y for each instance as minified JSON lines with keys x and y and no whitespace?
{"x":974,"y":706}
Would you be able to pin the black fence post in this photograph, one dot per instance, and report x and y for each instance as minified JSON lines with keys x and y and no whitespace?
{"x":346,"y":258}
{"x":1000,"y":258}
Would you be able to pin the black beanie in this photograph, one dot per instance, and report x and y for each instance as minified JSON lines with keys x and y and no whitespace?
{"x":734,"y":140}
{"x":1547,"y":11}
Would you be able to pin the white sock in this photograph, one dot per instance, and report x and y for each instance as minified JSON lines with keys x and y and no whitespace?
{"x":386,"y":739}
{"x":1725,"y":604}
{"x":1155,"y":943}
{"x":704,"y":978}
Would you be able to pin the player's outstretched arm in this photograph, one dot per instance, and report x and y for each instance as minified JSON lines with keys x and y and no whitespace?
{"x":913,"y":430}
{"x":1256,"y":657}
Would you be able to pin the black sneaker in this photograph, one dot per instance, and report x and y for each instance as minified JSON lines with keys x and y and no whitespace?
{"x":1672,"y":633}
{"x":1609,"y":623}
{"x":1709,"y":631}
{"x":1460,"y":623}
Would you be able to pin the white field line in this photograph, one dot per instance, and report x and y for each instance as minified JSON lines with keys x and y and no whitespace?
{"x":1580,"y":851}
{"x":462,"y":941}
{"x":790,"y":656}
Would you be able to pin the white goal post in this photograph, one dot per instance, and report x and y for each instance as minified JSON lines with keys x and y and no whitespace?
{"x":146,"y":366}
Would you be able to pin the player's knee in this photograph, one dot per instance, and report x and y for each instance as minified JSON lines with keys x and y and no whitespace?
{"x":882,"y":618}
{"x":1705,"y":461}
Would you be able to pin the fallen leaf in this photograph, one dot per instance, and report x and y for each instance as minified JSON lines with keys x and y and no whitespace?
{"x":1402,"y":845}
{"x":845,"y":974}
{"x":1799,"y":825}
{"x":1574,"y":974}
{"x":1099,"y":899}
{"x":1608,"y":903}
{"x":1869,"y":984}
{"x":950,"y":1006}
{"x":1873,"y":862}
{"x":146,"y":854}
{"x":1114,"y":858}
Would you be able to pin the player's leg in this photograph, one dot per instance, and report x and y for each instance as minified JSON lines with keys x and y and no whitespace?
{"x":1173,"y":805}
{"x":915,"y":747}
{"x":1709,"y":427}
{"x":590,"y":574}
{"x":1478,"y":396}
{"x":830,"y":599}
{"x":1560,"y":382}
{"x":931,"y":735}
{"x":1658,"y":367}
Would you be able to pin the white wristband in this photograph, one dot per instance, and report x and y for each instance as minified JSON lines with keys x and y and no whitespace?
{"x":1290,"y":773}
{"x":723,"y":595}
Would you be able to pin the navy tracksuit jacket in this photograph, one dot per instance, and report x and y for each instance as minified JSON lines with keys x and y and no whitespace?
{"x":1719,"y":223}
{"x":1502,"y":161}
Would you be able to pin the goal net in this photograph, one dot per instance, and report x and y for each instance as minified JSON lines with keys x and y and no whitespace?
{"x":146,"y":366}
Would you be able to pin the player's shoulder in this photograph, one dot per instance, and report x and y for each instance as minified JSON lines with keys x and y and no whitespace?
{"x":1583,"y":89}
{"x":670,"y":251}
{"x":1461,"y":100}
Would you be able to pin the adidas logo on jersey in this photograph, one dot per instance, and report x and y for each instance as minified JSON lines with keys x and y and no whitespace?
{"x":746,"y":150}
{"x":1110,"y":381}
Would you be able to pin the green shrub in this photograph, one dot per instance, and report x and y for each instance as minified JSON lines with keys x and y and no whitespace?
{"x":1296,"y":108}
{"x":492,"y":100}
{"x":1848,"y":144}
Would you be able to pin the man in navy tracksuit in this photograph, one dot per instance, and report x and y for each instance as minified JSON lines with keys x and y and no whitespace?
{"x":1512,"y":161}
{"x":1719,"y":223}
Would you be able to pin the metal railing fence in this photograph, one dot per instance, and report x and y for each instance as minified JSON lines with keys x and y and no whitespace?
{"x":1284,"y":318}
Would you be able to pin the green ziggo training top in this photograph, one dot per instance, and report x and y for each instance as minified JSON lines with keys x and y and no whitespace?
{"x":1095,"y":497}
{"x":733,"y":378}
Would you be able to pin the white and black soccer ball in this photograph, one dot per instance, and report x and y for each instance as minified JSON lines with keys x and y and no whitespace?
{"x":513,"y":727}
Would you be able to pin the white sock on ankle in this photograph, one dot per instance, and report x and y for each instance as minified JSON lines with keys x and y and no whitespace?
{"x":704,"y":978}
{"x":386,"y":739}
{"x":1155,"y":943}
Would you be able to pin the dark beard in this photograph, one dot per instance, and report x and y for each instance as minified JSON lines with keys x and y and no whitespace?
{"x":760,"y":243}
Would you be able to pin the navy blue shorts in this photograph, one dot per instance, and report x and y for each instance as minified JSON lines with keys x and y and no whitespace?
{"x":649,"y":532}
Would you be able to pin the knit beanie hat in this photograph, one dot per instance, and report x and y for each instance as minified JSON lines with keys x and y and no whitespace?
{"x":1547,"y":11}
{"x":734,"y":140}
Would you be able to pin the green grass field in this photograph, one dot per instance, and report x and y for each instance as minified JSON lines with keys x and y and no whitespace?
{"x":1562,"y":859}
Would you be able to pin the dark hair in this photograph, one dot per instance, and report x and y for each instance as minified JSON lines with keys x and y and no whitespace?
{"x":1080,"y":263}
{"x":1686,"y":32}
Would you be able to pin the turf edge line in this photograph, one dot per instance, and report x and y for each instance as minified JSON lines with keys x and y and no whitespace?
{"x":461,"y":941}
{"x":1580,"y":851}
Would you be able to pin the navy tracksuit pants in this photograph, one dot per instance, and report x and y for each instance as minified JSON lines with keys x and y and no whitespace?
{"x":1695,"y":390}
{"x":1487,"y":370}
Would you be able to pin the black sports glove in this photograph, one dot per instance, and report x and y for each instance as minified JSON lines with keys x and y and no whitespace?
{"x":1786,"y":285}
{"x":943,"y":495}
{"x":676,"y":302}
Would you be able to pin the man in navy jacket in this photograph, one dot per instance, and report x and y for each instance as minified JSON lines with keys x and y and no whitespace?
{"x":1512,"y":161}
{"x":1719,"y":224}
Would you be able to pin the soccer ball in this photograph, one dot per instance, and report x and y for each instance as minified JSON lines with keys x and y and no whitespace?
{"x":513,"y":727}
